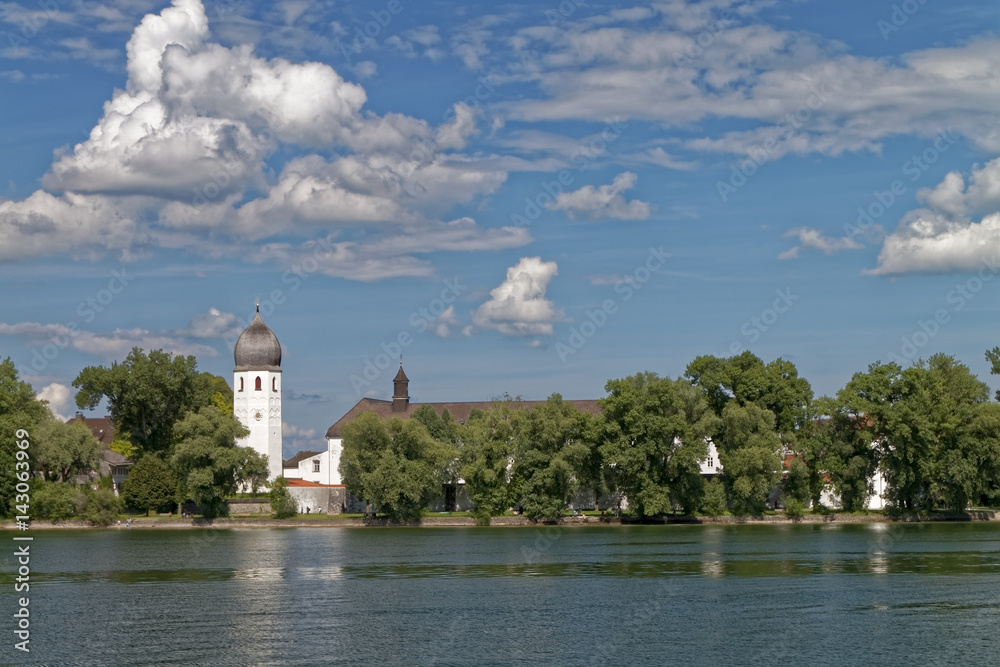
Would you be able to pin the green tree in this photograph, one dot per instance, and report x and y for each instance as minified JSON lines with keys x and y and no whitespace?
{"x":937,"y":435}
{"x":440,"y":427}
{"x":839,"y":447}
{"x":554,"y":454}
{"x":714,"y":501}
{"x":282,"y":504}
{"x":64,"y":450}
{"x":148,"y":394}
{"x":252,"y":471}
{"x":18,"y":410}
{"x":749,"y":452}
{"x":206,"y":458}
{"x":123,"y":445}
{"x":796,"y":486}
{"x":396,"y":464}
{"x":488,"y":442}
{"x":150,"y":485}
{"x":653,"y":439}
{"x":747,"y":379}
{"x":213,"y":390}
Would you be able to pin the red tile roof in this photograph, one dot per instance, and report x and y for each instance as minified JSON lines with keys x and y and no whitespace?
{"x":305,"y":483}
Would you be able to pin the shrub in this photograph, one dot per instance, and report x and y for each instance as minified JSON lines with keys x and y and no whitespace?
{"x":54,"y":500}
{"x":150,"y":485}
{"x":282,"y":504}
{"x":794,"y":507}
{"x":103,"y":507}
{"x":714,"y":501}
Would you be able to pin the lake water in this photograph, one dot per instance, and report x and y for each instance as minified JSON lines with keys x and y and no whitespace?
{"x":915,"y":594}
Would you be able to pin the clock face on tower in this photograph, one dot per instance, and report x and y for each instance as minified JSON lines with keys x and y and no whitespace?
{"x":258,"y":415}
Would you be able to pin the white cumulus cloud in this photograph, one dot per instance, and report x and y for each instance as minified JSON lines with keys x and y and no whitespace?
{"x":813,"y":238}
{"x":178,"y":161}
{"x":959,"y":231}
{"x":605,"y":201}
{"x":58,"y":397}
{"x":518,"y":306}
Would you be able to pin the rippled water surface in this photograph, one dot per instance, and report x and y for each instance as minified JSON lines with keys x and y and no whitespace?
{"x":679,"y":595}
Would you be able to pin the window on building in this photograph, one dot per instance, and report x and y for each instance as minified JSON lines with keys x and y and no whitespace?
{"x":241,"y":384}
{"x":711,"y":462}
{"x":257,"y":384}
{"x":274,"y":384}
{"x":315,"y":465}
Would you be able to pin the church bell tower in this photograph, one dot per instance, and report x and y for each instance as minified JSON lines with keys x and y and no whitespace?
{"x":257,"y":391}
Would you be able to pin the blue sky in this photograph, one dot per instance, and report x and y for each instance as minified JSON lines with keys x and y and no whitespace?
{"x":532,"y":198}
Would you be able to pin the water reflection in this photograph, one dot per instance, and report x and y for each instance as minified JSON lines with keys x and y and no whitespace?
{"x":692,"y":595}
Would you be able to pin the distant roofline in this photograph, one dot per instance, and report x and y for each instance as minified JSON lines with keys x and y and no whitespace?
{"x":459,"y":410}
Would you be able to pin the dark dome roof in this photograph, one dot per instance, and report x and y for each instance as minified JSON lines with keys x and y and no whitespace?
{"x":258,"y":348}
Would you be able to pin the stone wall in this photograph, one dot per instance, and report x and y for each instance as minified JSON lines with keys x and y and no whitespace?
{"x":245,"y":506}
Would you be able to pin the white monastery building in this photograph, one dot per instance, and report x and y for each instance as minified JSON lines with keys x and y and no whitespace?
{"x":257,"y":391}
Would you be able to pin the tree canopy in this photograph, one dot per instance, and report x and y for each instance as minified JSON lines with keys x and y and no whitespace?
{"x":148,"y":393}
{"x":554,"y":457}
{"x":653,"y":438}
{"x":206,"y":458}
{"x":394,"y":464}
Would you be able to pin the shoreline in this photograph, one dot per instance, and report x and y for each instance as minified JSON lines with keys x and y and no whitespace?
{"x":505,"y":521}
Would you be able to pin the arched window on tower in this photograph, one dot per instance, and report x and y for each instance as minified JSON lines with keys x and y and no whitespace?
{"x":274,"y":384}
{"x":257,"y":384}
{"x":241,"y":384}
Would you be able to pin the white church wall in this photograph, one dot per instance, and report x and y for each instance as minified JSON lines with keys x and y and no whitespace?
{"x":334,"y":448}
{"x":307,"y":468}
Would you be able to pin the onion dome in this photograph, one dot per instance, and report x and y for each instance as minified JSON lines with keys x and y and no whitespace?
{"x":257,"y":348}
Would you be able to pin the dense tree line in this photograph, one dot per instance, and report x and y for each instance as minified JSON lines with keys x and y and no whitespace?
{"x":931,"y":430}
{"x":174,"y":422}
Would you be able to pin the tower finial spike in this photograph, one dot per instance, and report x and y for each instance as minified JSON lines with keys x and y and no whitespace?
{"x":400,"y":361}
{"x":258,"y":303}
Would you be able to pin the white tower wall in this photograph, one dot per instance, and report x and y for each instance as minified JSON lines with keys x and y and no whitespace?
{"x":259,"y":410}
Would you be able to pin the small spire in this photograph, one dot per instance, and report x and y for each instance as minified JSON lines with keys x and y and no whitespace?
{"x":400,"y":361}
{"x":258,"y":303}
